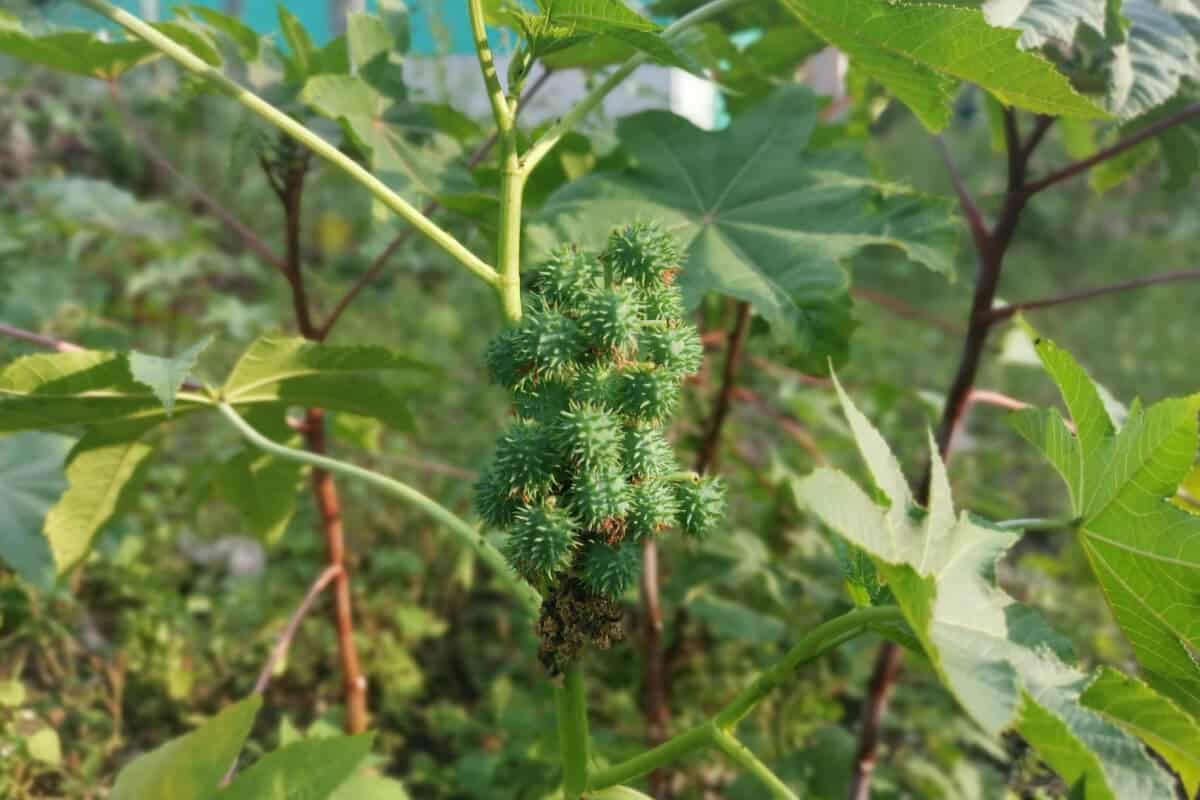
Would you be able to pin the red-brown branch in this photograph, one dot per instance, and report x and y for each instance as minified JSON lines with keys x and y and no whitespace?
{"x":1129,"y":142}
{"x":48,"y":342}
{"x":906,"y":310}
{"x":991,"y":260}
{"x":975,"y":221}
{"x":329,"y":508}
{"x":1005,"y":312}
{"x":279,"y":651}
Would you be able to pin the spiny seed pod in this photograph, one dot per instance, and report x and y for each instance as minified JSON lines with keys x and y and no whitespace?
{"x":507,"y":359}
{"x":544,"y":399}
{"x":641,"y":252}
{"x":551,"y":339}
{"x":608,"y":570}
{"x":495,"y":501}
{"x":566,"y":278}
{"x":661,"y":302}
{"x":596,"y":385}
{"x":676,"y":349}
{"x":645,"y":452}
{"x":541,"y":543}
{"x":525,"y":459}
{"x":599,"y":500}
{"x":701,"y":506}
{"x":647,"y":394}
{"x":652,"y":507}
{"x":609,"y":320}
{"x":589,"y":437}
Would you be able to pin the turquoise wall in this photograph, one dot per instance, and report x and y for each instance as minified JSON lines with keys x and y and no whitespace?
{"x":435,"y":23}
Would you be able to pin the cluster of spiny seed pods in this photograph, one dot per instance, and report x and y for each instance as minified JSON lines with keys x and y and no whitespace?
{"x":585,"y":473}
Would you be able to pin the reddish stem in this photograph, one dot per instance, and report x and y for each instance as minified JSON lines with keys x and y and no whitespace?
{"x":1129,"y":142}
{"x":1005,"y":312}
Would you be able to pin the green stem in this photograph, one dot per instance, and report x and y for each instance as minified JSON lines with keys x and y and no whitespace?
{"x":671,"y":750}
{"x":467,"y":533}
{"x":186,"y":59}
{"x":546,"y":142}
{"x":1038,"y":524}
{"x":741,"y":755}
{"x":570,"y":700}
{"x":512,"y":190}
{"x":504,"y":113}
{"x":816,"y":642}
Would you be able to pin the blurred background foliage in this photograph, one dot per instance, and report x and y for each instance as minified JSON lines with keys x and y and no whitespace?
{"x":175,"y":611}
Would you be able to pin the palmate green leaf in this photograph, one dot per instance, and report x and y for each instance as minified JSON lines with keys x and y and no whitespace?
{"x":166,"y":376}
{"x":1002,"y":663}
{"x":921,"y":52}
{"x":190,"y":767}
{"x":762,"y":218}
{"x":293,"y":371}
{"x":103,"y":471}
{"x":66,"y":390}
{"x":31,"y":480}
{"x":260,"y":487}
{"x":1172,"y":732}
{"x":1144,"y":550}
{"x":310,"y":769}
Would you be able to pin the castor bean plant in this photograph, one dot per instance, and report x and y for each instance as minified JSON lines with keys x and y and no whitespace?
{"x":598,"y":284}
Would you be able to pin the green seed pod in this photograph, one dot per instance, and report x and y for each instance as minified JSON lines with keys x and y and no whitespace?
{"x":661,"y":302}
{"x":609,"y":320}
{"x":589,"y":438}
{"x":608,"y":570}
{"x":645,"y":452}
{"x":541,"y":543}
{"x":647,"y":395}
{"x":652,"y":507}
{"x":551,"y":339}
{"x":701,"y":506}
{"x":677,"y":350}
{"x":566,"y":278}
{"x":641,"y":252}
{"x":542,"y":400}
{"x":525,"y":459}
{"x":596,"y":385}
{"x":508,"y":361}
{"x":495,"y":501}
{"x":599,"y":501}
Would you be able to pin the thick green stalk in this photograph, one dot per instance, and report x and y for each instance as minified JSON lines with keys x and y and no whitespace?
{"x":186,"y":59}
{"x":512,"y":191}
{"x":466,"y":532}
{"x":502,"y":110}
{"x":816,"y":642}
{"x":567,"y":122}
{"x":512,"y":179}
{"x":669,"y":751}
{"x":741,"y":755}
{"x":820,"y":639}
{"x":570,"y":701}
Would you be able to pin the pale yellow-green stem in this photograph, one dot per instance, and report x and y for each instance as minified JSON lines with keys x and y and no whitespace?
{"x":512,"y":178}
{"x":189,"y":61}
